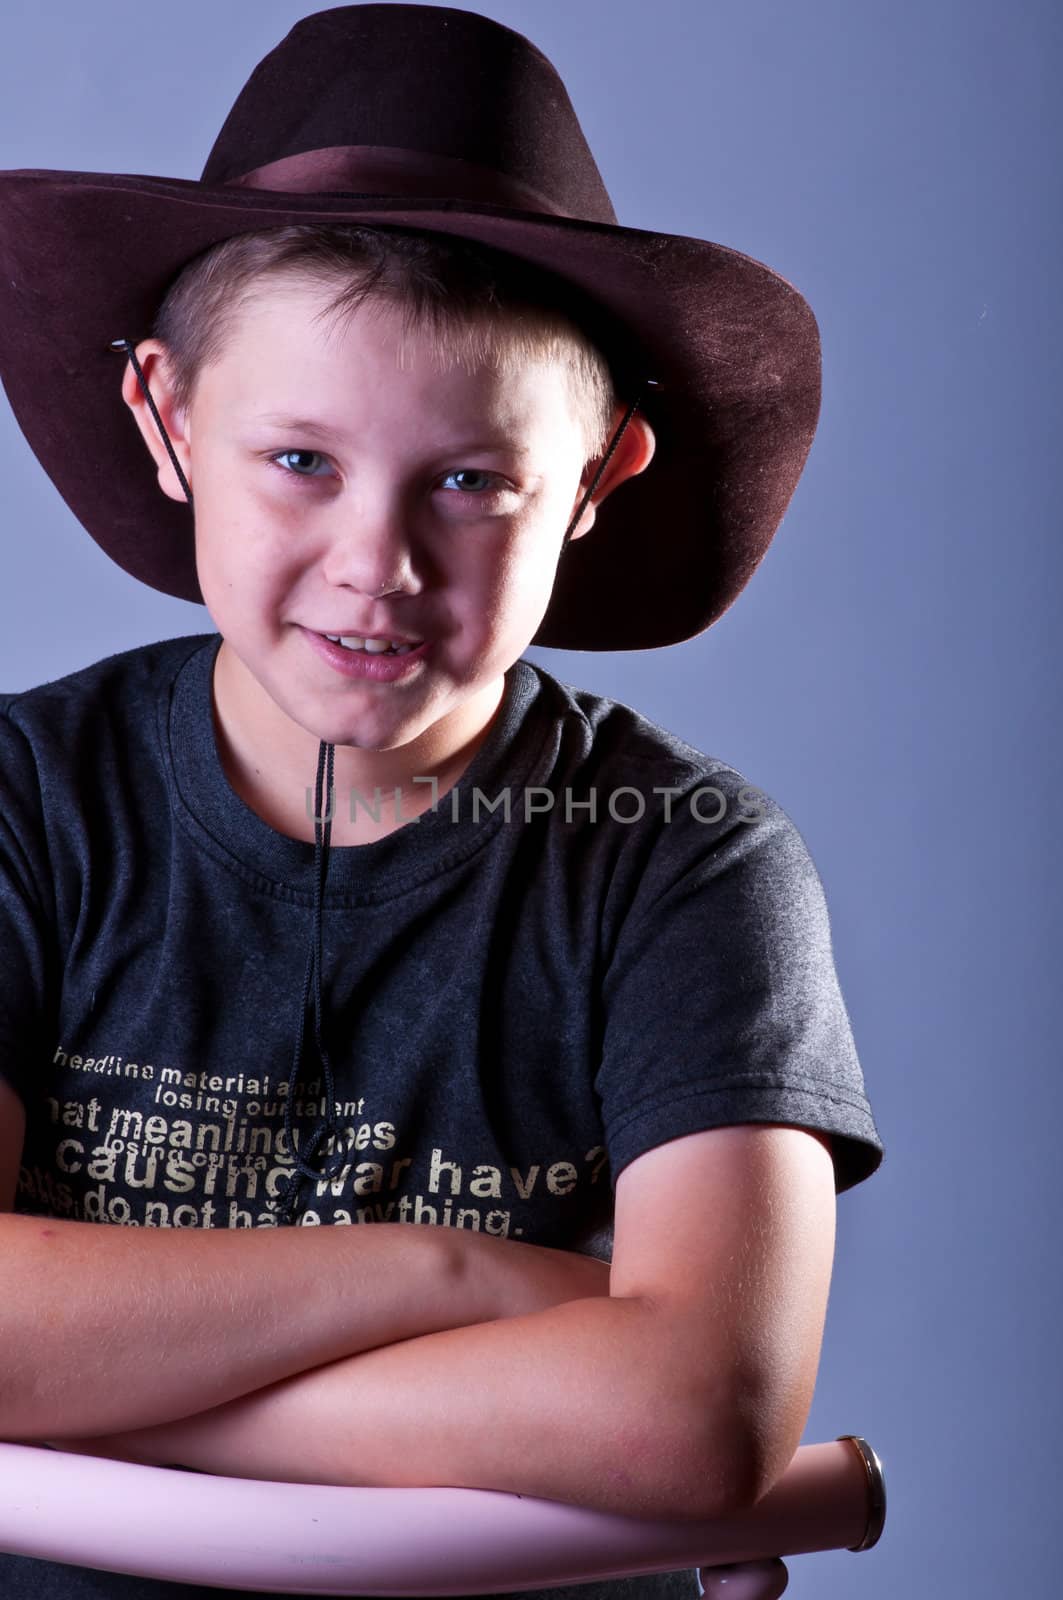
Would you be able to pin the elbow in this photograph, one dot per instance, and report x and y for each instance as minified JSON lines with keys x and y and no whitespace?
{"x":743,"y":1463}
{"x":698,"y":1475}
{"x":701,"y":1493}
{"x":722,"y":1482}
{"x":731,"y":1451}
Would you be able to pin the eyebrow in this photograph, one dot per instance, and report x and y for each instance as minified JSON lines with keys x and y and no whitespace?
{"x":310,"y":425}
{"x":281,"y":419}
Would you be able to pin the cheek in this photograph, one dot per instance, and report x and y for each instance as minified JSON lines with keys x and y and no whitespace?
{"x":523,"y":563}
{"x":519,"y":589}
{"x":248,"y":559}
{"x":491,"y":579}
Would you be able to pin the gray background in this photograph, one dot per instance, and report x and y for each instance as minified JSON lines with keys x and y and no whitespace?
{"x":888,"y":674}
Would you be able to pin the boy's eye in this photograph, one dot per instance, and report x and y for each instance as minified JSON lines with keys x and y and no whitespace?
{"x":493,"y":488}
{"x":493,"y":479}
{"x":280,"y":455}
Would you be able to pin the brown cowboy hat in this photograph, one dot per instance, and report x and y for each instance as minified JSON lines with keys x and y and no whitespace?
{"x":442,"y":120}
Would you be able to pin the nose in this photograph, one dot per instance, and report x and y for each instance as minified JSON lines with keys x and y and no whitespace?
{"x":371,"y":552}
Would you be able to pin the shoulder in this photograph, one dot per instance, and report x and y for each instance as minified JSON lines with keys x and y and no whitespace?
{"x":666,"y":805}
{"x":615,"y":731}
{"x":71,"y":747}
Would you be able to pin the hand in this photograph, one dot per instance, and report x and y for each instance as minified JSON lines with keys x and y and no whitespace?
{"x":745,"y":1580}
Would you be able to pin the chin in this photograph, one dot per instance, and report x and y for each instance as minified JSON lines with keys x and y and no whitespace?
{"x":357,"y":735}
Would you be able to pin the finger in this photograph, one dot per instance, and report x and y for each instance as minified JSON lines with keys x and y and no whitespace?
{"x":745,"y":1580}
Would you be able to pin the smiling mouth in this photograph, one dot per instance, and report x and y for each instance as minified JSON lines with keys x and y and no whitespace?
{"x":380,"y":647}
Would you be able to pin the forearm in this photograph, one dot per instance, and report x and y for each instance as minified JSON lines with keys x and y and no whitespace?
{"x":108,"y":1328}
{"x":570,"y":1404}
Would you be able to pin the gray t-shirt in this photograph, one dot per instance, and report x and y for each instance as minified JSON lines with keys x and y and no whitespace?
{"x":601,"y":939}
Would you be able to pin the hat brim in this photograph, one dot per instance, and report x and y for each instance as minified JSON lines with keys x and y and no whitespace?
{"x":732,"y":344}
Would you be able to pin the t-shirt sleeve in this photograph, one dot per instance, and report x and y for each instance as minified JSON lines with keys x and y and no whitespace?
{"x":721,"y":1002}
{"x":27,"y":902}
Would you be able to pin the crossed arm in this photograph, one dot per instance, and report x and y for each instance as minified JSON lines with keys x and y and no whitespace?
{"x":680,"y":1389}
{"x":563,"y":1403}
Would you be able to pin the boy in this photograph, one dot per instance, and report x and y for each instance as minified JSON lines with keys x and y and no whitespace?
{"x":574,"y":1002}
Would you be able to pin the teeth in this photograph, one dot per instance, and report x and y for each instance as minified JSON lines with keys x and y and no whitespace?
{"x":374,"y":647}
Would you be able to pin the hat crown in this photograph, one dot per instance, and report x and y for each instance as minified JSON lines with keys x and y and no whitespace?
{"x":453,"y":85}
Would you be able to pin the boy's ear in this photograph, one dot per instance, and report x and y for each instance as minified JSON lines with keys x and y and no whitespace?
{"x":632,"y":455}
{"x":152,"y":358}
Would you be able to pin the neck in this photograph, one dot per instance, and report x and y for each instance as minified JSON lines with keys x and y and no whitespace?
{"x":271,"y":761}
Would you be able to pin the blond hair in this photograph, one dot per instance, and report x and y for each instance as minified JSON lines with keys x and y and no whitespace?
{"x":472,"y":304}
